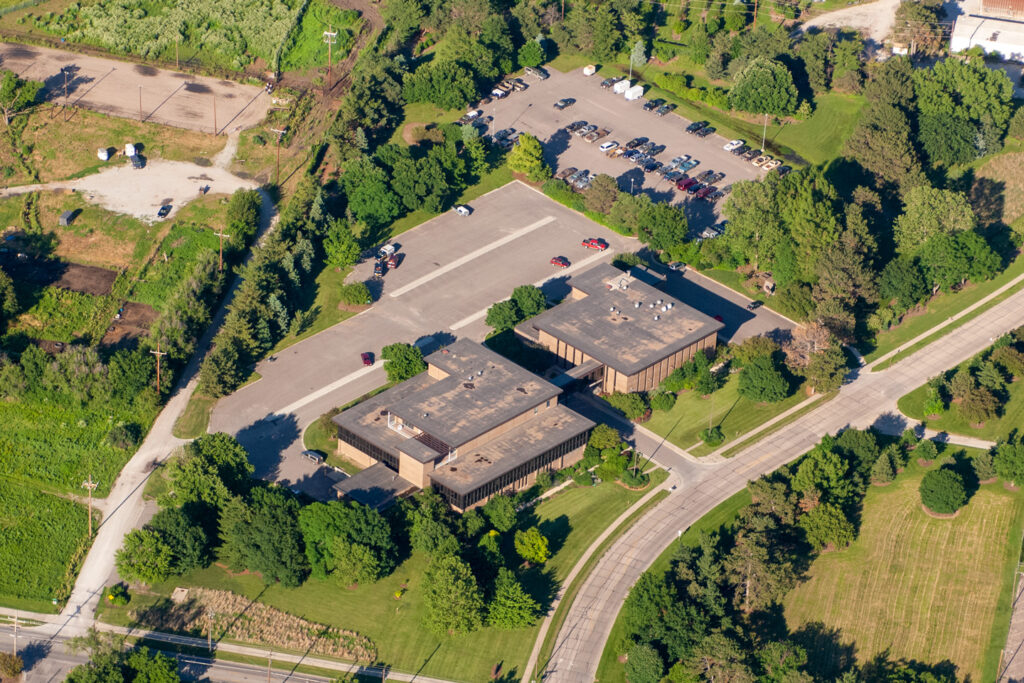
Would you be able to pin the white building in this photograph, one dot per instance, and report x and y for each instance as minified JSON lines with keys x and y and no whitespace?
{"x":994,"y":25}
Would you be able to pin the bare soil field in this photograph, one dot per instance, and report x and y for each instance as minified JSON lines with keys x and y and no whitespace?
{"x":52,"y":273}
{"x":134,"y":322}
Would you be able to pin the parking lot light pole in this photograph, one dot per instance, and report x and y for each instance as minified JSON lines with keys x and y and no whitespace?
{"x":764,"y":132}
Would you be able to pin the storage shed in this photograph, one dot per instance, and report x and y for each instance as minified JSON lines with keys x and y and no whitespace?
{"x":129,"y":149}
{"x":67,"y":217}
{"x":634,"y":93}
{"x":589,"y":70}
{"x":103,"y":153}
{"x":621,"y":87}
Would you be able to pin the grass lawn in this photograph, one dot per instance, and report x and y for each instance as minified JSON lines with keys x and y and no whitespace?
{"x":571,"y":519}
{"x":940,"y":308}
{"x":733,"y":413}
{"x":194,"y":420}
{"x":913,"y":585}
{"x":44,"y":538}
{"x":609,"y":670}
{"x":305,"y":47}
{"x":325,"y":301}
{"x":1012,"y":417}
{"x":420,"y":114}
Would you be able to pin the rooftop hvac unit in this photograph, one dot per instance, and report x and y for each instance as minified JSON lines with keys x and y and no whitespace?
{"x":670,"y":304}
{"x":657,"y":317}
{"x":664,"y":308}
{"x":638,"y":304}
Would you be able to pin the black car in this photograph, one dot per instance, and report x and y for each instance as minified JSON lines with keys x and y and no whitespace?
{"x":656,"y":150}
{"x":693,"y":189}
{"x":664,"y":109}
{"x":575,"y":126}
{"x":695,"y":126}
{"x":635,"y":142}
{"x":378,"y":269}
{"x":609,"y":82}
{"x":164,"y":211}
{"x":783,"y":170}
{"x":651,"y":105}
{"x":646,"y":147}
{"x":652,"y":166}
{"x":705,"y":131}
{"x":740,"y":151}
{"x":564,"y":102}
{"x":504,"y":133}
{"x":754,"y":304}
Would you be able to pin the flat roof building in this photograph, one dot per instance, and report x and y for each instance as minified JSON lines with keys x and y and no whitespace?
{"x":472,"y":425}
{"x":620,"y":331}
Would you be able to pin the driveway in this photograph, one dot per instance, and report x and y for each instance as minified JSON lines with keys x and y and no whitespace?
{"x":123,"y":89}
{"x":873,"y":19}
{"x":532,"y":111}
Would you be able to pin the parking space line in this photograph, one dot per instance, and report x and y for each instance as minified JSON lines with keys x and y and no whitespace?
{"x":448,"y":267}
{"x":579,"y":265}
{"x":323,"y":391}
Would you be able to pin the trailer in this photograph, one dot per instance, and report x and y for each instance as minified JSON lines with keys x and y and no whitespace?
{"x":634,"y":93}
{"x":621,"y":87}
{"x":589,"y":70}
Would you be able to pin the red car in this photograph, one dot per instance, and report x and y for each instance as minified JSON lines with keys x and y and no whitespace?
{"x":560,"y":261}
{"x":367,"y":358}
{"x":595,"y":243}
{"x":393,"y":261}
{"x":686,"y":183}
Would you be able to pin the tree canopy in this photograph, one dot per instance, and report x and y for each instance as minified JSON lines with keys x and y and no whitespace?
{"x":764,"y":86}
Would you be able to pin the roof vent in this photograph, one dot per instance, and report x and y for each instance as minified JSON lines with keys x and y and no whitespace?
{"x":521,"y":390}
{"x":470,"y":378}
{"x":650,"y":305}
{"x":659,"y":302}
{"x":638,"y":304}
{"x":612,"y":309}
{"x":670,"y":304}
{"x":664,"y":308}
{"x":479,"y":373}
{"x":657,"y":317}
{"x":426,"y":414}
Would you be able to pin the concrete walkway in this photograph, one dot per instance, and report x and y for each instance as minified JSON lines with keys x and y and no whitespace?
{"x":1013,"y":654}
{"x":869,"y":399}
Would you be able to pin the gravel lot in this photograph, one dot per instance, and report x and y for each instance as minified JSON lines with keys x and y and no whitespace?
{"x":532,"y":111}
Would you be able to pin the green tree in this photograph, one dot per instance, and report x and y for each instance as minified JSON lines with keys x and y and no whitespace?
{"x":882,"y":472}
{"x":501,"y":512}
{"x":511,"y":607}
{"x":824,"y":470}
{"x":451,"y":599}
{"x":662,"y":226}
{"x":632,"y":405}
{"x":827,"y":526}
{"x":761,"y":381}
{"x":984,"y":466}
{"x":243,"y":215}
{"x":602,"y":193}
{"x":929,"y":211}
{"x":947,"y":139}
{"x":604,"y":436}
{"x":637,"y":56}
{"x":16,"y":94}
{"x":532,"y":546}
{"x":531,"y":54}
{"x":826,"y":369}
{"x":368,"y":191}
{"x":503,"y":315}
{"x":644,"y":664}
{"x":881,"y":143}
{"x":978,"y":405}
{"x":1009,"y":459}
{"x":184,"y":536}
{"x":527,"y":157}
{"x":942,"y":491}
{"x":144,"y":557}
{"x":347,"y":540}
{"x":968,"y":88}
{"x":764,"y":86}
{"x":209,"y":471}
{"x":430,"y":526}
{"x":443,"y":82}
{"x":781,"y":662}
{"x":530,"y":300}
{"x":759,"y":579}
{"x":264,"y":536}
{"x":402,"y":361}
{"x":11,"y":665}
{"x":719,"y":658}
{"x":221,"y":371}
{"x":902,"y":280}
{"x":341,"y":248}
{"x":8,"y":299}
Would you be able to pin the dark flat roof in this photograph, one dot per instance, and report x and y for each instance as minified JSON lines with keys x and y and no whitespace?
{"x":546,"y":430}
{"x":627,"y":338}
{"x":376,"y":486}
{"x":484,"y":390}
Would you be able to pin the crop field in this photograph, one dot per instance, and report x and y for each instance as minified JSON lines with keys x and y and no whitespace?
{"x":306,"y":48}
{"x":922,"y":588}
{"x":571,"y":520}
{"x":41,"y":537}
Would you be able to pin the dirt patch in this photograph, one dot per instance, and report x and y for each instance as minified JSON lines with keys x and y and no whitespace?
{"x":130,"y":324}
{"x":52,"y":273}
{"x":988,"y":481}
{"x":407,"y":133}
{"x":939,"y":515}
{"x":924,"y":463}
{"x":352,"y":308}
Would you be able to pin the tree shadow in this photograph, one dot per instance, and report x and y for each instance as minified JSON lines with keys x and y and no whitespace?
{"x":557,"y":143}
{"x":828,"y":656}
{"x":631,"y":180}
{"x":882,"y":667}
{"x":541,"y":585}
{"x":266,"y":441}
{"x":890,"y":423}
{"x":35,"y":652}
{"x":556,"y":531}
{"x":987,"y":197}
{"x":53,"y":85}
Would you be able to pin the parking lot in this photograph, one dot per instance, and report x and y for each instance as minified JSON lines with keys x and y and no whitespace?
{"x":533,"y":111}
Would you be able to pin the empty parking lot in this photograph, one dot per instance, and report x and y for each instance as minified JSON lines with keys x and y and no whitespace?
{"x":533,"y":111}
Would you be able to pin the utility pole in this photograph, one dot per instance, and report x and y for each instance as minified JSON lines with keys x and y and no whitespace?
{"x":563,"y":10}
{"x":177,"y":66}
{"x":209,"y":629}
{"x":329,"y":38}
{"x":214,"y":114}
{"x":90,"y":485}
{"x":15,"y":634}
{"x":755,"y":14}
{"x":140,"y":102}
{"x":64,"y":70}
{"x":270,"y":658}
{"x":764,"y":132}
{"x":157,"y":353}
{"x":277,"y":175}
{"x":220,"y":261}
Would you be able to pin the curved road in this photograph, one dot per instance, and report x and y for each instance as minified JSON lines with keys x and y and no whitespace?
{"x":868,"y":399}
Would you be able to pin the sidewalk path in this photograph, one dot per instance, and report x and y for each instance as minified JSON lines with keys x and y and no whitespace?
{"x":869,"y":399}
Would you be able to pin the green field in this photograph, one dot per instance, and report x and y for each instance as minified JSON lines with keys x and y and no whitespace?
{"x":922,"y":588}
{"x":1010,"y":419}
{"x":306,"y":47}
{"x":571,"y":519}
{"x":610,"y":670}
{"x":43,"y":537}
{"x":734,"y":414}
{"x":173,"y":262}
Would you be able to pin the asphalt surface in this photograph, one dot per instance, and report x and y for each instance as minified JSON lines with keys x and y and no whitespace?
{"x":113,"y":87}
{"x":532,"y":111}
{"x":453,"y":268}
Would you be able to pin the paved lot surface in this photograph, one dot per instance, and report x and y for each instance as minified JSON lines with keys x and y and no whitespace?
{"x":112,"y":87}
{"x":532,"y":111}
{"x":453,"y":269}
{"x":869,"y":399}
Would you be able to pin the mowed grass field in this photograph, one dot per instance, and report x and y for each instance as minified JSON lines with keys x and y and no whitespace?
{"x":571,"y":519}
{"x":734,"y":414}
{"x":922,"y":588}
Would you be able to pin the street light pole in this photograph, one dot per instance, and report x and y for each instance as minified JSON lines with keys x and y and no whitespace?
{"x":140,"y":102}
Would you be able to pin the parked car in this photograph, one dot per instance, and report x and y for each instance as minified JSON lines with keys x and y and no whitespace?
{"x":584,"y":183}
{"x":676,"y":265}
{"x":164,"y":211}
{"x":576,"y":176}
{"x":393,"y":261}
{"x":741,"y":150}
{"x":652,"y":166}
{"x":317,"y":456}
{"x":679,"y":160}
{"x":664,"y":170}
{"x":378,"y":269}
{"x":761,"y":160}
{"x":595,"y":243}
{"x":716,"y":178}
{"x":642,"y":160}
{"x":692,"y":163}
{"x":564,"y":103}
{"x":686,"y":183}
{"x":656,"y":150}
{"x":750,"y":154}
{"x":646,"y":147}
{"x":635,"y":142}
{"x":609,"y":82}
{"x":536,"y":72}
{"x":470,"y":115}
{"x":565,"y":173}
{"x":519,"y":85}
{"x":651,"y":105}
{"x":703,"y":192}
{"x":630,"y":155}
{"x":715,"y":196}
{"x":462,"y":209}
{"x":585,"y":130}
{"x":504,"y":133}
{"x":704,"y":175}
{"x":367,"y":359}
{"x":783,"y":170}
{"x":695,"y":126}
{"x":772,"y":165}
{"x":616,"y":152}
{"x":506,"y":144}
{"x":754,"y":304}
{"x":608,"y":146}
{"x":560,"y":261}
{"x":673,"y":176}
{"x":696,"y":187}
{"x":705,"y":131}
{"x":575,"y":126}
{"x":665,"y":109}
{"x":732,"y":144}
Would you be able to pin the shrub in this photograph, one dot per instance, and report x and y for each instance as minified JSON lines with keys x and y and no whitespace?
{"x":354,"y":293}
{"x":712,"y":436}
{"x":125,"y":436}
{"x":582,"y":477}
{"x":663,"y":401}
{"x":926,"y":450}
{"x":632,"y":405}
{"x":942,"y":491}
{"x":984,"y":466}
{"x":636,"y":481}
{"x":644,"y":664}
{"x":761,"y":381}
{"x":118,"y":595}
{"x":11,"y":665}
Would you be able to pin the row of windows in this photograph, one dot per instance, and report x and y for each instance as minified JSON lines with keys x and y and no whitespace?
{"x":463,"y":501}
{"x":378,"y":454}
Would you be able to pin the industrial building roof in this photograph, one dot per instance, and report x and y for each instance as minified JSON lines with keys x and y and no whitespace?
{"x":376,"y":486}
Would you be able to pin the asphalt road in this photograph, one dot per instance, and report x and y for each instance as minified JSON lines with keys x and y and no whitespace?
{"x":453,"y":269}
{"x":532,"y":111}
{"x":122,"y":89}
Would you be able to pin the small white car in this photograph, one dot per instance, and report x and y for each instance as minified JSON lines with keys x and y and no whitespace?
{"x":470,"y":115}
{"x":462,"y":209}
{"x":609,"y":146}
{"x":733,"y":144}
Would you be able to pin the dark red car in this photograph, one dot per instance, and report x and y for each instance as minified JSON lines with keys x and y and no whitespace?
{"x":393,"y":261}
{"x":595,"y":243}
{"x":367,"y":358}
{"x":686,"y":183}
{"x":560,"y":261}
